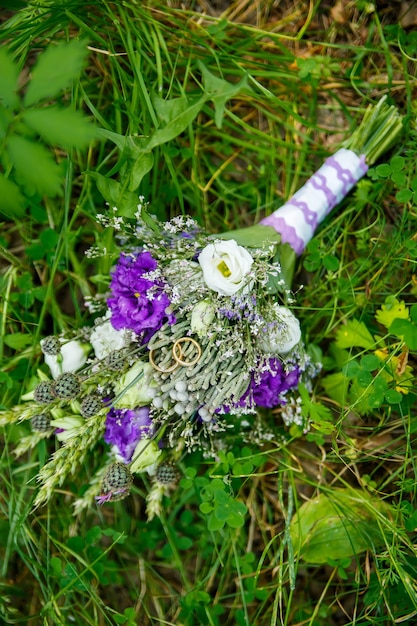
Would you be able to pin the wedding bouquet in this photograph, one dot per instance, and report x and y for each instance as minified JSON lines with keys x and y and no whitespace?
{"x":192,"y":345}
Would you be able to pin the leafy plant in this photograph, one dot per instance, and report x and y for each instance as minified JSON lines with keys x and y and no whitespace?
{"x":380,"y":373}
{"x":28,"y":168}
{"x":340,"y":525}
{"x":172,"y":117}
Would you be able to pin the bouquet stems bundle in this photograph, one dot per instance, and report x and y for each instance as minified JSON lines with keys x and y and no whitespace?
{"x":296,"y":221}
{"x":194,"y":345}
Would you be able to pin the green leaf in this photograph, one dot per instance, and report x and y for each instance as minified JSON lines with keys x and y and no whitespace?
{"x":206,"y":508}
{"x":49,"y":239}
{"x":242,"y":469}
{"x":360,"y":392}
{"x":336,"y":386}
{"x":116,"y":535}
{"x":397,"y":163}
{"x":180,"y":113}
{"x":399,"y":178}
{"x":116,"y":195}
{"x":56,"y":67}
{"x":236,"y":519}
{"x":331,"y":263}
{"x":383,"y":170}
{"x":320,"y":415}
{"x":224,"y":505}
{"x":391,"y":310}
{"x":404,"y":195}
{"x":9,"y":75}
{"x":257,"y":236}
{"x":93,"y":535}
{"x":364,"y":379}
{"x":36,"y":252}
{"x":121,"y":141}
{"x":220,"y":91}
{"x":55,"y":565}
{"x":370,"y":362}
{"x":34,"y":166}
{"x":354,"y":334}
{"x":170,"y":110}
{"x":76,"y":544}
{"x":393,"y":396}
{"x":142,"y":165}
{"x":17,"y":341}
{"x":338,"y":526}
{"x":62,"y":127}
{"x":406,"y":331}
{"x":215,"y":524}
{"x":13,"y":203}
{"x":376,"y":400}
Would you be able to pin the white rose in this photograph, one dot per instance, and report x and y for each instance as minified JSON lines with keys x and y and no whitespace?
{"x":281,"y":334}
{"x":202,"y":316}
{"x":72,"y":357}
{"x":105,"y":339}
{"x":146,"y":454}
{"x":141,"y":392}
{"x":225,"y":267}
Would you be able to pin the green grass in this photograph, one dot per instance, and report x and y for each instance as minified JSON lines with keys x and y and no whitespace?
{"x":309,"y":78}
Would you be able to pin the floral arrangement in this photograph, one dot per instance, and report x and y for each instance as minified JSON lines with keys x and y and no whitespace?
{"x":194,"y":342}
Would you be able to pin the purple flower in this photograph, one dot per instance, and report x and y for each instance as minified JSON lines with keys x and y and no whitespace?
{"x":138,"y":300}
{"x":125,"y":428}
{"x":268,"y":387}
{"x":268,"y":391}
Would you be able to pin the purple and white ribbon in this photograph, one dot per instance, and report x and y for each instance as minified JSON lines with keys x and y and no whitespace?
{"x":299,"y":217}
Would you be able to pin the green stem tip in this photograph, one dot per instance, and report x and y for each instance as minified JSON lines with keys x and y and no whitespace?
{"x":378,"y":131}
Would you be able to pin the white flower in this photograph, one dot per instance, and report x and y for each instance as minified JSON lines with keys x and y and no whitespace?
{"x":225,"y":267}
{"x":72,"y":357}
{"x":141,"y":392}
{"x":70,"y":427}
{"x":281,"y":334}
{"x":145,"y":456}
{"x":201,"y":317}
{"x":105,"y":339}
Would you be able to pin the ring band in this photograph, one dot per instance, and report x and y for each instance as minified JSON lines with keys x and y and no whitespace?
{"x":159,"y":369}
{"x":178,"y":354}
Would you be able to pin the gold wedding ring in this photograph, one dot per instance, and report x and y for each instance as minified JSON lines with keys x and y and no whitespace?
{"x":179,"y":354}
{"x":160,"y":369}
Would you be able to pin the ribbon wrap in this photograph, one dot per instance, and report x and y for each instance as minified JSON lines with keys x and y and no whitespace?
{"x":298,"y":218}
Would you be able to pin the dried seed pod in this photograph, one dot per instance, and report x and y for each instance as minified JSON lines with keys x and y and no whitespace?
{"x":91,"y":405}
{"x":166,"y":474}
{"x":116,"y":483}
{"x":116,"y":360}
{"x":118,"y":476}
{"x":44,"y":393}
{"x":41,"y":423}
{"x":51,"y":345}
{"x":67,"y":386}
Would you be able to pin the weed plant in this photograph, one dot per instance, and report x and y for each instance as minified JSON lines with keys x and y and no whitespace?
{"x":318,"y":528}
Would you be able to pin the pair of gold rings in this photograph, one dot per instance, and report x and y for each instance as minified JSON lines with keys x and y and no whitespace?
{"x":179,"y":355}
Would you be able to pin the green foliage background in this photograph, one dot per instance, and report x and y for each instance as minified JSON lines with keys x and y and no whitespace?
{"x":220,"y":110}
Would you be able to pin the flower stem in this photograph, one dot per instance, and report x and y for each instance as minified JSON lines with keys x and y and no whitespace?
{"x":378,"y":131}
